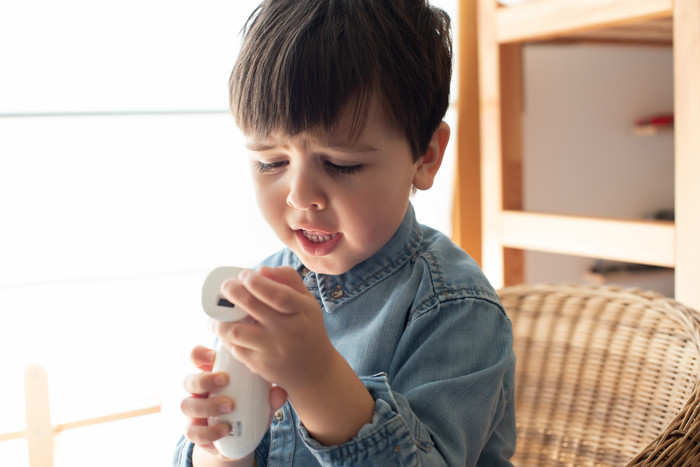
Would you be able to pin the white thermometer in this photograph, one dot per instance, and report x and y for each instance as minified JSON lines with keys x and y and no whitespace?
{"x":251,"y":394}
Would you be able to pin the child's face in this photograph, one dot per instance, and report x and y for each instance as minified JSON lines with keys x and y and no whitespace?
{"x":332,"y":200}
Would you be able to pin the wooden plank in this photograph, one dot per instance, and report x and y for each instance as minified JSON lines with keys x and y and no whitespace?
{"x":490,"y":120}
{"x":687,"y":146}
{"x":512,"y":146}
{"x":39,"y":432}
{"x":657,"y":32}
{"x":548,"y":19}
{"x":466,"y":208}
{"x":642,"y":241}
{"x":148,"y":409}
{"x":12,"y":435}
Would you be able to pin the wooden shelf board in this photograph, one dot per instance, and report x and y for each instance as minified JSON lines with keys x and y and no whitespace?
{"x":633,"y":21}
{"x":634,"y":241}
{"x":656,"y":32}
{"x":620,"y":277}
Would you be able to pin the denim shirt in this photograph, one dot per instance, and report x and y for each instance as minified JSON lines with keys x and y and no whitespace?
{"x":425,"y":332}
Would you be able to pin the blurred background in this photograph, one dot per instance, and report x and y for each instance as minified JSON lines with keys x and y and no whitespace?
{"x":123,"y":182}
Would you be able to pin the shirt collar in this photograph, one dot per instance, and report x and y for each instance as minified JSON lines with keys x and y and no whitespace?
{"x":334,"y":291}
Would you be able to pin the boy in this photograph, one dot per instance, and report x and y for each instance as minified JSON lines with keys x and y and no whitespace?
{"x":386,"y":342}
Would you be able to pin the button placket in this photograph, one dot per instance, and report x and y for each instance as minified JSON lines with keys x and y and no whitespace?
{"x":282,"y":437}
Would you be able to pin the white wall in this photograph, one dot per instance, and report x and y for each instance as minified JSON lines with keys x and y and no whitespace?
{"x":580,"y":105}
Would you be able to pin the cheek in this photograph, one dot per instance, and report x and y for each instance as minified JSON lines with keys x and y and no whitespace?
{"x":377,"y":218}
{"x":269,"y":201}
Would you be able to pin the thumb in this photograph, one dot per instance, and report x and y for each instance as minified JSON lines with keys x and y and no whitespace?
{"x":278,"y":397}
{"x":284,"y":275}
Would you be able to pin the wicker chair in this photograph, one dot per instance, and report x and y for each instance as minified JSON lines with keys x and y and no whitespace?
{"x":605,"y":376}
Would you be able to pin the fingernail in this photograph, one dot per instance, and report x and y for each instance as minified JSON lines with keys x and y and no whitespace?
{"x":225,"y":408}
{"x":243,"y":274}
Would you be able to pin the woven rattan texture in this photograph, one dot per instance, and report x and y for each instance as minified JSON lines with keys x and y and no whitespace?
{"x":605,"y":376}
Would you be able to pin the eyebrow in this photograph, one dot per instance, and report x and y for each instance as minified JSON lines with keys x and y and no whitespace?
{"x":349,"y":148}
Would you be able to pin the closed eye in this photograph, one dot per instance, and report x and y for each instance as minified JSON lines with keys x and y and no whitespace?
{"x":270,"y":167}
{"x":335,"y":169}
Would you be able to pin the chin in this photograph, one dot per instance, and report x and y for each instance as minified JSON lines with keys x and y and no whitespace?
{"x":329,"y":268}
{"x":329,"y":271}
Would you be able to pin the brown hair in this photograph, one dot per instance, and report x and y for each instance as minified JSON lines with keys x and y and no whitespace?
{"x":303,"y":61}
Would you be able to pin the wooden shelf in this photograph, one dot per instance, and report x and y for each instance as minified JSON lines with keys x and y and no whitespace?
{"x":634,"y":21}
{"x":629,"y":277}
{"x":657,"y":32}
{"x":497,"y":207}
{"x":634,"y":241}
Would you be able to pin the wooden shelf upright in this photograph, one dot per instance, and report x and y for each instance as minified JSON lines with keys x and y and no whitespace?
{"x":505,"y":229}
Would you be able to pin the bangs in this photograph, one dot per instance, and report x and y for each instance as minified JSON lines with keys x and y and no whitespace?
{"x":305,"y":62}
{"x":299,"y":70}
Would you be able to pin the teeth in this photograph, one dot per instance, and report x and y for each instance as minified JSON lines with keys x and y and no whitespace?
{"x":317,"y":238}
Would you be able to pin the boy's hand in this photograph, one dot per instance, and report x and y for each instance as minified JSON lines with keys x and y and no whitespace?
{"x":198,"y":407}
{"x":286,"y":340}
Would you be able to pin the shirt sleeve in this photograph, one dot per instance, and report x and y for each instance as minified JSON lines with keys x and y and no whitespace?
{"x":448,"y":398}
{"x":183,"y":453}
{"x":184,"y":449}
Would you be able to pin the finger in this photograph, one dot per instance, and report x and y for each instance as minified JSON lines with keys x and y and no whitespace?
{"x":203,"y":357}
{"x":278,"y":397}
{"x":284,"y":275}
{"x":201,"y":384}
{"x":198,"y":432}
{"x":277,"y":295}
{"x":237,"y":293}
{"x":198,"y":407}
{"x":241,"y":335}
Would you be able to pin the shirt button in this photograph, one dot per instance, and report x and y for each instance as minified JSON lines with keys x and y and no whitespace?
{"x":279,"y":415}
{"x":337,"y":293}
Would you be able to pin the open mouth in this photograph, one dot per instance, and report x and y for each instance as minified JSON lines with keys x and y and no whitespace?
{"x":318,"y":237}
{"x":317,"y":243}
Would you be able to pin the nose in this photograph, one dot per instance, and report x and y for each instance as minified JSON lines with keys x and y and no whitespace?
{"x":305,"y":193}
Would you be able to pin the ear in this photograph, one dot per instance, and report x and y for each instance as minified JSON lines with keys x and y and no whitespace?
{"x":429,"y":163}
